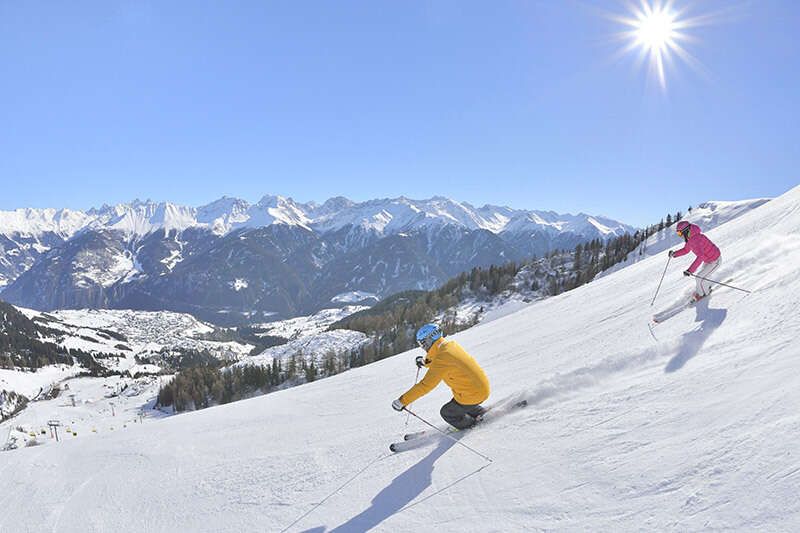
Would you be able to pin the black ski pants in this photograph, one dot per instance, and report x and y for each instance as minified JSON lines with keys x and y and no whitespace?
{"x":460,"y":416}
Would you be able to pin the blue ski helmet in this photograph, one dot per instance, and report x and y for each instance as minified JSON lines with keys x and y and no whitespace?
{"x":427,"y":335}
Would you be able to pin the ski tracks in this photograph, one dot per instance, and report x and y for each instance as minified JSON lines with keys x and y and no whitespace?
{"x":591,"y":375}
{"x":59,"y":511}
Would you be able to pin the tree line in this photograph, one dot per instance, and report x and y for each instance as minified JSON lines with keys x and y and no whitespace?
{"x":20,"y":345}
{"x":210,"y":384}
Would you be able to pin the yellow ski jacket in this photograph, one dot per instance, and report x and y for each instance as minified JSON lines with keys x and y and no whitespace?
{"x":448,"y":361}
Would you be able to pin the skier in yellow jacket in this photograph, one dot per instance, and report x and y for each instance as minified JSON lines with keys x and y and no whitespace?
{"x":447,"y":360}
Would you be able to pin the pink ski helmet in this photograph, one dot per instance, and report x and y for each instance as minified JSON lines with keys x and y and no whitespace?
{"x":683,"y":229}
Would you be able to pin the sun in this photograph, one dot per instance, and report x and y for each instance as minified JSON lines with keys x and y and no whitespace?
{"x":657,"y":31}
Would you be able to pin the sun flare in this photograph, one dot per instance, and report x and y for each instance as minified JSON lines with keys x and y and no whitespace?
{"x":656,"y":31}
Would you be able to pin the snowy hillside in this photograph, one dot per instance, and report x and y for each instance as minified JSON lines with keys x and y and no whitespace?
{"x":16,"y":385}
{"x":85,"y":407}
{"x":130,"y":334}
{"x":135,"y":343}
{"x":707,"y":215}
{"x":304,"y":326}
{"x":692,"y":428}
{"x":314,"y":348}
{"x":309,"y":341}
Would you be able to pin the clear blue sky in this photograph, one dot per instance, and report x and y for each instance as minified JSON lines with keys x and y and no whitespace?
{"x":506,"y":102}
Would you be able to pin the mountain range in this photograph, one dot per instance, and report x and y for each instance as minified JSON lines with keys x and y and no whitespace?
{"x":231,"y":261}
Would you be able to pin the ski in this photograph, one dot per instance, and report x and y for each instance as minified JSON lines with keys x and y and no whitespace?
{"x":418,"y":439}
{"x":676,"y":309}
{"x":418,"y":434}
{"x":670,"y":312}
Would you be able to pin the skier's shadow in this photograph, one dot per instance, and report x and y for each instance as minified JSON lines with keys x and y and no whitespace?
{"x":710,"y":320}
{"x":400,"y":492}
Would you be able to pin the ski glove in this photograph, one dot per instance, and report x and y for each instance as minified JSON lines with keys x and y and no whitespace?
{"x":397,"y":405}
{"x":672,"y":253}
{"x":420,"y":361}
{"x":687,"y":273}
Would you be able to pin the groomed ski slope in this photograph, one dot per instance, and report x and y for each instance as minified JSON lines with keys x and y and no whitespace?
{"x":695,"y":431}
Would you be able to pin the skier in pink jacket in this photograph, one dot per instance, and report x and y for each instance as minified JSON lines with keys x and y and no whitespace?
{"x":706,"y":251}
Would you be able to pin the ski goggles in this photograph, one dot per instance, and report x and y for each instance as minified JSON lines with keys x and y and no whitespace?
{"x":681,"y":232}
{"x":426,"y":343}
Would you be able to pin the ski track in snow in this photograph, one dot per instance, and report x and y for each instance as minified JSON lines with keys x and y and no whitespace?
{"x":696,"y":431}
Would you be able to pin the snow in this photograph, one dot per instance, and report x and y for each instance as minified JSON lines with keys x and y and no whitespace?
{"x":147,"y":334}
{"x":353,"y":297}
{"x":30,"y":383}
{"x":389,"y":216}
{"x":551,"y":222}
{"x":138,"y":326}
{"x":34,"y":222}
{"x":602,"y":228}
{"x":223,"y":214}
{"x":507,"y":307}
{"x":239,"y":284}
{"x":172,"y":259}
{"x":141,"y":218}
{"x":87,"y":273}
{"x":310,"y":348}
{"x":279,"y":210}
{"x":75,"y":343}
{"x":696,"y":430}
{"x":708,"y":216}
{"x":297,"y":327}
{"x":382,"y":216}
{"x":102,"y":406}
{"x":40,"y":248}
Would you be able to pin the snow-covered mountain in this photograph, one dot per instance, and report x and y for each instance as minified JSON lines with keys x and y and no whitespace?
{"x":403,"y":214}
{"x":692,"y":426}
{"x":229,"y":259}
{"x":391,"y":215}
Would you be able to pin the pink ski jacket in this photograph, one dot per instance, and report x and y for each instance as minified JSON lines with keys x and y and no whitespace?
{"x":705,"y":250}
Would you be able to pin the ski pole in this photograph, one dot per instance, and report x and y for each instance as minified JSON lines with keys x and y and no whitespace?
{"x":412,"y":413}
{"x":720,"y":283}
{"x":408,"y":416}
{"x":660,"y":282}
